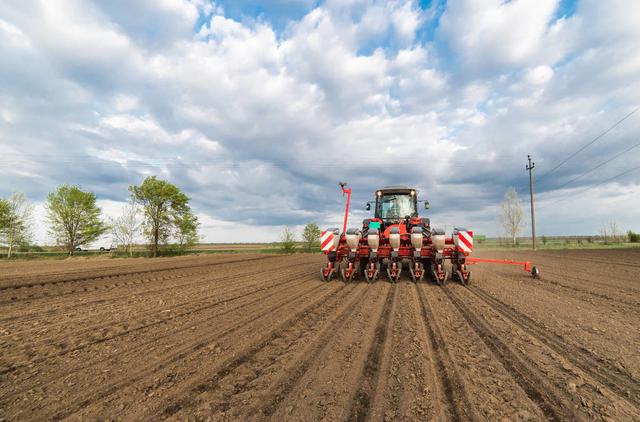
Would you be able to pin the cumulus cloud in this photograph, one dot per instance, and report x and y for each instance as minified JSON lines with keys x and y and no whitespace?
{"x":257,"y":120}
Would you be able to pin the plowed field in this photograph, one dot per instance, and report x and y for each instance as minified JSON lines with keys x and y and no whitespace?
{"x":260,"y":337}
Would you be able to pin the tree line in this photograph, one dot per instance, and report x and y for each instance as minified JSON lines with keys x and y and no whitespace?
{"x":157,"y":210}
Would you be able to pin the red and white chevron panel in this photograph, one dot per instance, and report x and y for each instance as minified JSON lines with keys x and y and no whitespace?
{"x":465,"y":241}
{"x":326,"y":241}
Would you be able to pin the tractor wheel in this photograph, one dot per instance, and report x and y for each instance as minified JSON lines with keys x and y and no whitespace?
{"x":374,"y":275}
{"x":439,"y":281}
{"x":434,"y":276}
{"x":413,"y":274}
{"x":343,"y":273}
{"x":535,"y":273}
{"x":331,"y":273}
{"x":398,"y":271}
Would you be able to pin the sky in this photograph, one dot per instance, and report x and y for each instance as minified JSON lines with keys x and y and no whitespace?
{"x":257,"y":109}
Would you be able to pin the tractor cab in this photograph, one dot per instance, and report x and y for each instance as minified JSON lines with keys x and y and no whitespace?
{"x":396,"y":205}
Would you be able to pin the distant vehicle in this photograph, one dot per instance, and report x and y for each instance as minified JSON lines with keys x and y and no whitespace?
{"x":101,"y":249}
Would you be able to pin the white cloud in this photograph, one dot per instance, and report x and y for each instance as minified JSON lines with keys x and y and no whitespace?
{"x":539,"y":75}
{"x":257,"y":125}
{"x":492,"y":34}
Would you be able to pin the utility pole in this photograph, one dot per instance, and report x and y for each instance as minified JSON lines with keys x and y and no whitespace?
{"x":530,"y":167}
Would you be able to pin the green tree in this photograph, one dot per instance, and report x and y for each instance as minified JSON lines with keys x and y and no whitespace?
{"x":16,"y":229}
{"x":187,"y":230}
{"x":4,"y":213}
{"x":311,"y":236}
{"x":288,"y":241}
{"x":164,"y":206}
{"x":74,"y":218}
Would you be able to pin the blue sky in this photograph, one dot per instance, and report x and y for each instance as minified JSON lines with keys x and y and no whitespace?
{"x":257,"y":109}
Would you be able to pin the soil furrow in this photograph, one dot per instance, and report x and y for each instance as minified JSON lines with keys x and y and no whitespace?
{"x":281,"y":392}
{"x":242,"y":376}
{"x":140,"y":289}
{"x":367,"y":384}
{"x":111,"y":317}
{"x":552,"y":278}
{"x":609,"y":375}
{"x":245,"y":357}
{"x":326,"y":389}
{"x":452,"y":385}
{"x":130,"y":328}
{"x":138,"y":346}
{"x":549,"y":399}
{"x":177,"y":354}
{"x":20,"y":285}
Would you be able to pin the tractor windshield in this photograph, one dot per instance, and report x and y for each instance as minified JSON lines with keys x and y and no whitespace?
{"x":395,"y":206}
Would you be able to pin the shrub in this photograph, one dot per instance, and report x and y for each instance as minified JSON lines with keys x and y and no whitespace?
{"x":633,"y":237}
{"x":29,"y":248}
{"x":288,"y":241}
{"x":544,"y":240}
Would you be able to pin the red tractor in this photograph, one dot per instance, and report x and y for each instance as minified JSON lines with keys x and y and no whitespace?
{"x":396,"y":237}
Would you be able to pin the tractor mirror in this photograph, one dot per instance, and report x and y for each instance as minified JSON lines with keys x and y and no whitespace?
{"x":426,"y":205}
{"x":368,"y":206}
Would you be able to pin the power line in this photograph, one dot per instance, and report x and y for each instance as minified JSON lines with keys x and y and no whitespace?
{"x":594,"y":186}
{"x":589,"y":144}
{"x":598,"y":166}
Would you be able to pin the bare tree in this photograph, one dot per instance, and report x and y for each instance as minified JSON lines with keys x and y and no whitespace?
{"x":511,"y":217}
{"x":16,"y":229}
{"x":616,"y":233}
{"x":604,"y":233}
{"x":126,"y":226}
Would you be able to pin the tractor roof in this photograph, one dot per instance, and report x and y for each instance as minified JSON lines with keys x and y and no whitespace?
{"x":396,"y":189}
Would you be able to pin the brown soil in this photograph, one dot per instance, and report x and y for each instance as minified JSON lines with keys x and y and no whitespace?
{"x":259,"y":337}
